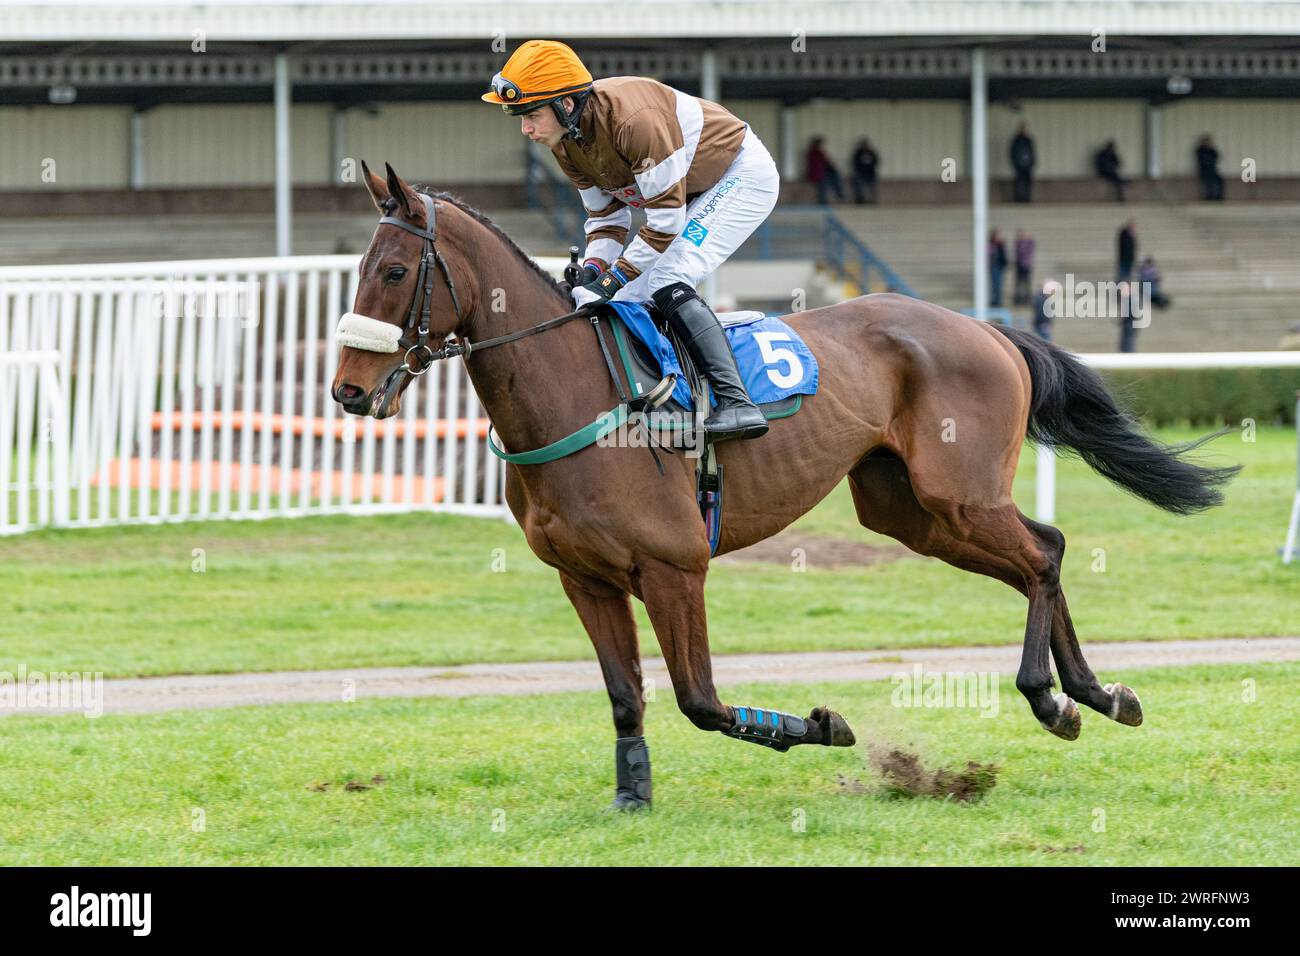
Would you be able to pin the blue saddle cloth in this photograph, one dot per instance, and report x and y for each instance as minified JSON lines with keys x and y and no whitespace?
{"x":774,"y":362}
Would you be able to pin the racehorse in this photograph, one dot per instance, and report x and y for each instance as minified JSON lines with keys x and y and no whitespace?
{"x":923,"y":409}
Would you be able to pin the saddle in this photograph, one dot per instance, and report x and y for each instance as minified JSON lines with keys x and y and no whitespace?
{"x":670,"y":409}
{"x":683,"y":405}
{"x":643,"y":370}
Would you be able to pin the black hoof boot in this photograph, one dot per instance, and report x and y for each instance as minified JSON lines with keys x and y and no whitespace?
{"x":632,"y":765}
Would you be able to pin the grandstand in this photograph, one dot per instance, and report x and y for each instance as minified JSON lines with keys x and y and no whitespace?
{"x":163,"y":152}
{"x":1230,"y":268}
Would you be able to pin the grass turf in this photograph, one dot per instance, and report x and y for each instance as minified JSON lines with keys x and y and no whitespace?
{"x":1208,"y":780}
{"x":430,"y":589}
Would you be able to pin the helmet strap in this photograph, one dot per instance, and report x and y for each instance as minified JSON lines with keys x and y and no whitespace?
{"x":570,"y":120}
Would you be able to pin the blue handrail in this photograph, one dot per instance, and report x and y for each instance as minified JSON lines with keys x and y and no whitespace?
{"x":844,"y":250}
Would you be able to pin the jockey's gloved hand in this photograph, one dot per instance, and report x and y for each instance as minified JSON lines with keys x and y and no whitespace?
{"x":584,"y":296}
{"x":602,"y":288}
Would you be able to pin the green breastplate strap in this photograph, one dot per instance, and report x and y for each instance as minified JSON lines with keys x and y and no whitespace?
{"x":605,"y":423}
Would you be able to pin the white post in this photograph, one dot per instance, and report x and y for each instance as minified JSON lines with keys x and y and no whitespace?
{"x":979,"y":181}
{"x":1289,"y":549}
{"x":1045,"y":483}
{"x":283,"y":175}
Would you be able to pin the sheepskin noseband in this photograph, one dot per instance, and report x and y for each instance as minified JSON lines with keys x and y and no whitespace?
{"x":363,"y":332}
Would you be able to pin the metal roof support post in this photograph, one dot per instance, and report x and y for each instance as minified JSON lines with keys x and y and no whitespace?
{"x":979,"y":174}
{"x":136,"y":149}
{"x":1153,"y":113}
{"x":338,"y":144}
{"x":789,"y":164}
{"x":283,"y":174}
{"x":710,"y":89}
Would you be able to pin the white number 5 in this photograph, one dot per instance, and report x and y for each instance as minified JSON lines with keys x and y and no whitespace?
{"x":771,"y":356}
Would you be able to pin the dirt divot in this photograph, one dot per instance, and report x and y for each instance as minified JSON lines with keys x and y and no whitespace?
{"x":904,"y":775}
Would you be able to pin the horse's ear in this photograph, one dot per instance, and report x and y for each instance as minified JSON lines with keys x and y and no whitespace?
{"x":377,"y":188}
{"x":398,"y":189}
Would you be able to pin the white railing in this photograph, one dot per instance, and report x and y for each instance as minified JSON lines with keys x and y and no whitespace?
{"x":1045,"y":508}
{"x":130,"y":383}
{"x":32,"y":415}
{"x":173,"y":391}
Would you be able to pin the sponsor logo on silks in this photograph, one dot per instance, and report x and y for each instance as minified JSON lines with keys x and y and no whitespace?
{"x":630,"y":196}
{"x":711,"y":206}
{"x":694,"y":232}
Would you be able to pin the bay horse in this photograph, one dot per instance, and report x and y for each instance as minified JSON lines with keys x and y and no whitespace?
{"x":923,"y":409}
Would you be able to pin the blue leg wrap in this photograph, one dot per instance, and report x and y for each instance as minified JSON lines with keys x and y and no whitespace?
{"x":770,"y":728}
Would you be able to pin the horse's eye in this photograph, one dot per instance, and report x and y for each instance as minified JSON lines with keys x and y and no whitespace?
{"x":396,"y":275}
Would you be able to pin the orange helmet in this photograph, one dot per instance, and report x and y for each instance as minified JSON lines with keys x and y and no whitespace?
{"x":538,"y":72}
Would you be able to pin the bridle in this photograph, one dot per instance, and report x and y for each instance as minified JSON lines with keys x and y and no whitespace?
{"x":364,"y":332}
{"x":417,"y":319}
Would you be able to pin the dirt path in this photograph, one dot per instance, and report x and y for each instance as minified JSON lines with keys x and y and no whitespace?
{"x":142,"y":695}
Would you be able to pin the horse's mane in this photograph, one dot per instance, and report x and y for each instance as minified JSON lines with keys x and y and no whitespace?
{"x":491,"y":226}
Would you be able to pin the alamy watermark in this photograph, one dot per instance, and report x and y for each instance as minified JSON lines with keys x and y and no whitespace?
{"x":57,"y":691}
{"x":973,"y":689}
{"x":1086,"y":299}
{"x":672,"y":429}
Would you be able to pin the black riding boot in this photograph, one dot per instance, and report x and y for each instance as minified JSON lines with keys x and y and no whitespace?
{"x":735,"y":416}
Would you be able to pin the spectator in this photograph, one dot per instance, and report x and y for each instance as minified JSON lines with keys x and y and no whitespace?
{"x":821,"y":172}
{"x":1128,"y":309}
{"x":865,"y":162}
{"x":1024,"y":266}
{"x":1290,"y":342}
{"x":1150,"y":278}
{"x":1207,"y":167}
{"x":1108,"y":163}
{"x":1043,"y":315}
{"x":1127,"y":251}
{"x":1022,"y":161}
{"x":997,"y":266}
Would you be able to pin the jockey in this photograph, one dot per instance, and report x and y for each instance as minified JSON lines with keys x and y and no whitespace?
{"x":704,"y":180}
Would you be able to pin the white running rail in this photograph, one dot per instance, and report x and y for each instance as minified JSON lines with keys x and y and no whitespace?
{"x":171,"y":391}
{"x":32,"y":417}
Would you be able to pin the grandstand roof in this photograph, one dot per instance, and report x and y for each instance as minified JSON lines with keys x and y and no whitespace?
{"x":299,"y":20}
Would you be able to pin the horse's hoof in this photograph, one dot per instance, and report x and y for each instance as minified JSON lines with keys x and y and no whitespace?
{"x":835,"y":729}
{"x":627,"y":803}
{"x":1125,"y":708}
{"x":1068,"y":722}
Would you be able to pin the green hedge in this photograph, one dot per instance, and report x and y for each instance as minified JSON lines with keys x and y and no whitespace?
{"x":1221,"y":396}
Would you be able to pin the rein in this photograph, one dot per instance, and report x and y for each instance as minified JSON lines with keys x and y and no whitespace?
{"x":465,"y":346}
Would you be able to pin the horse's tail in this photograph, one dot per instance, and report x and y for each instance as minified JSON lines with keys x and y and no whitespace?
{"x":1071,"y":408}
